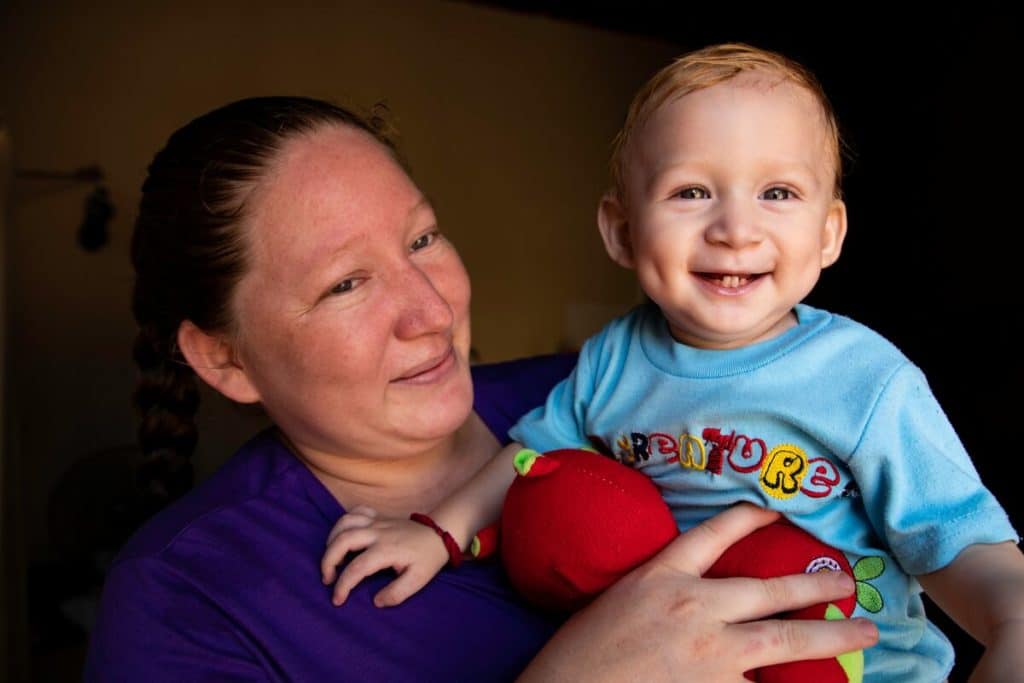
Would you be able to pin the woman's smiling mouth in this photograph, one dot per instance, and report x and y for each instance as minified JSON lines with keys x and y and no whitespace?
{"x":429,"y":371}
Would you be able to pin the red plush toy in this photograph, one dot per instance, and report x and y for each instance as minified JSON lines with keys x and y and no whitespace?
{"x":575,"y":521}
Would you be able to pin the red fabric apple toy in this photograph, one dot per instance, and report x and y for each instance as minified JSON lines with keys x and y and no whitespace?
{"x":575,"y":521}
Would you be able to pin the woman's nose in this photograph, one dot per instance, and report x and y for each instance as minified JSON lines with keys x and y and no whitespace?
{"x":423,"y":308}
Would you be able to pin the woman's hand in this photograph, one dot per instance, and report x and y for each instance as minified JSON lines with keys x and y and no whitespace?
{"x":414,"y":551}
{"x":663,"y":622}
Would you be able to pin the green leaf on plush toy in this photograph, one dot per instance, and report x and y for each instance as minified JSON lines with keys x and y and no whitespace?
{"x":851,"y":662}
{"x":869,"y":598}
{"x":868,"y":568}
{"x":524,"y":460}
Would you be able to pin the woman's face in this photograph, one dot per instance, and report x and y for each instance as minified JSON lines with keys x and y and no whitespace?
{"x":353,"y":318}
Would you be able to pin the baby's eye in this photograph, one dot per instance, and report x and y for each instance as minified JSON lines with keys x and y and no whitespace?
{"x":777,"y":194}
{"x":425,"y":240}
{"x":693,"y":193}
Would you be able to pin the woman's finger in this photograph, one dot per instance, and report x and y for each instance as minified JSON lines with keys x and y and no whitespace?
{"x":741,"y":599}
{"x":696,"y":549}
{"x":775,"y":641}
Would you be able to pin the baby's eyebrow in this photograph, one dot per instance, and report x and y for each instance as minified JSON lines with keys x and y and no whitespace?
{"x":657,"y":174}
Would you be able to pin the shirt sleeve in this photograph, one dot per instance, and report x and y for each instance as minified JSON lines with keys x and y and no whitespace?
{"x":920,"y":488}
{"x":504,"y":391}
{"x":560,"y":421}
{"x":153,"y":626}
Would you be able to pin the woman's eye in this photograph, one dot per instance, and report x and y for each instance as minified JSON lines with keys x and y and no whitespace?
{"x":693,"y":193}
{"x":777,"y":194}
{"x":424,"y":241}
{"x":343,"y":287}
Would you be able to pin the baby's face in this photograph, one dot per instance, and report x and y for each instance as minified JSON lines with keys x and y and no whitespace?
{"x":730,"y":213}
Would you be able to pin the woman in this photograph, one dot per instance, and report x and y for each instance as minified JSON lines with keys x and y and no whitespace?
{"x":285,"y":257}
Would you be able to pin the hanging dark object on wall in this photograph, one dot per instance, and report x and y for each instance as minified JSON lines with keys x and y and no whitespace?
{"x":93,"y":231}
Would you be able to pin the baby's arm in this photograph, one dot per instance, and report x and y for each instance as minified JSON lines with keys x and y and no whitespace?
{"x":983,"y":591}
{"x":416,"y":552}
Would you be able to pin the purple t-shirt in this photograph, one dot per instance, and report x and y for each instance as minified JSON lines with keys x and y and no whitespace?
{"x":224,"y":585}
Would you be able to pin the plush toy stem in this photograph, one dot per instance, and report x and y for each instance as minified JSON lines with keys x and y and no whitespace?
{"x":485,"y":542}
{"x":529,"y":463}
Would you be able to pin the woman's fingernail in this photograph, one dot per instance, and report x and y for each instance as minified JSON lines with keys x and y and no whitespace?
{"x":843,"y":581}
{"x":867,"y":627}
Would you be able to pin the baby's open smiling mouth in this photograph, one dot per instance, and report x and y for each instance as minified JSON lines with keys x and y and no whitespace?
{"x":729,"y":280}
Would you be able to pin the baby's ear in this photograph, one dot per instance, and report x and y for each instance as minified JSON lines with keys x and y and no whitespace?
{"x":614,"y":227}
{"x":833,"y":233}
{"x":213,"y":358}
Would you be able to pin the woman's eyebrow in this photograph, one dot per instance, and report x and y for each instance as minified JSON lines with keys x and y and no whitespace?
{"x":418,"y":207}
{"x":325,"y":257}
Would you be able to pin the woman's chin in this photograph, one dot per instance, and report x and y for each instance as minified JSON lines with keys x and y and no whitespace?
{"x":438,"y":414}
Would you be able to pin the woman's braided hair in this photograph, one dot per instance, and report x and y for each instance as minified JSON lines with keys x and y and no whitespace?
{"x":187,"y":251}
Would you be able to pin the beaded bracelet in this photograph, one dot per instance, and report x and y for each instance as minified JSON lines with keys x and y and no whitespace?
{"x":454,"y":551}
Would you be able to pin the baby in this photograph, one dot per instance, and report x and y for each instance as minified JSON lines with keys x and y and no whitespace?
{"x":726,"y":388}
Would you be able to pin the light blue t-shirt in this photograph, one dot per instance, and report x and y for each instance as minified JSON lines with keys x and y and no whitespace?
{"x":828,"y":423}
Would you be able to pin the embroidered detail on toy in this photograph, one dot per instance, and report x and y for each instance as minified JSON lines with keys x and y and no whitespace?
{"x":864,"y":570}
{"x":850,"y":490}
{"x":823,"y":563}
{"x":783,"y":470}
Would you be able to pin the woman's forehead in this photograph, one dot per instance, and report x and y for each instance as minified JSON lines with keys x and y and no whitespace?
{"x":330,"y":186}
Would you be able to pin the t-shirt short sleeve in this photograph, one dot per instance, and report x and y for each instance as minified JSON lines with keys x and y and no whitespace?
{"x":503,"y":392}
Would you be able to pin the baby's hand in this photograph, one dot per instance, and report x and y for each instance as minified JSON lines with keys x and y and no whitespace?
{"x":413,"y":550}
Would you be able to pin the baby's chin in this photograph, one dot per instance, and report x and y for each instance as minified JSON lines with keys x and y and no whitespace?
{"x":718,"y":339}
{"x":718,"y":330}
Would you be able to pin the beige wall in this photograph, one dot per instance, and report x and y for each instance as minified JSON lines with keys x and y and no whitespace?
{"x":506,"y":120}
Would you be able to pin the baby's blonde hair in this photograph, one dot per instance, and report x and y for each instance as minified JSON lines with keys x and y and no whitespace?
{"x":707,"y":67}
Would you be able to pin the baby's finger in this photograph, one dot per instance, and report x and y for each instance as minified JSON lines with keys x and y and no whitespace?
{"x":352,"y":520}
{"x":788,"y":640}
{"x":367,"y":564}
{"x":351,"y":541}
{"x":364,"y":510}
{"x":408,"y":582}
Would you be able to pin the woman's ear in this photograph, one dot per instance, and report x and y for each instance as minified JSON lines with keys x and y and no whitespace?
{"x":213,"y":358}
{"x":614,"y":227}
{"x":833,"y":233}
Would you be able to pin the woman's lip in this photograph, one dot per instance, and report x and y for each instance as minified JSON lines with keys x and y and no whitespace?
{"x":429,"y":371}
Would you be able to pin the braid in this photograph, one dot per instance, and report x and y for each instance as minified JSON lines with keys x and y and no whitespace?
{"x":167,"y":398}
